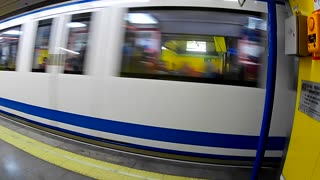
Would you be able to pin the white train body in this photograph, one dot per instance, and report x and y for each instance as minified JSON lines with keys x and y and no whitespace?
{"x":185,"y":118}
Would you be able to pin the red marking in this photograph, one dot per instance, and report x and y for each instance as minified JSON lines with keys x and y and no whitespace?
{"x":141,"y":29}
{"x":315,"y":56}
{"x":130,"y":27}
{"x":147,"y":29}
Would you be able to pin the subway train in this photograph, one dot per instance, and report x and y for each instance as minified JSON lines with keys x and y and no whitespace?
{"x":176,"y":79}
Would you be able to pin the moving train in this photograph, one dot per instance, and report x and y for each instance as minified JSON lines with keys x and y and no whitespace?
{"x":179,"y":79}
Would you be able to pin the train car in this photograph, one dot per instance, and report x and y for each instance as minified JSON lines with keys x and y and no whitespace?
{"x":179,"y":79}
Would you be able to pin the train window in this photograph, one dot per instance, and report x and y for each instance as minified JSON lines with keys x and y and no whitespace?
{"x":77,"y":43}
{"x":9,"y":40}
{"x":41,"y":49}
{"x":191,"y":45}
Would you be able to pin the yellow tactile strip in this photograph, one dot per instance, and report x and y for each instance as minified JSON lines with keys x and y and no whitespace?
{"x":77,"y":163}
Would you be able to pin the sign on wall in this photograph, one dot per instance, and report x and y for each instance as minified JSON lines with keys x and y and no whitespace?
{"x":310,"y":99}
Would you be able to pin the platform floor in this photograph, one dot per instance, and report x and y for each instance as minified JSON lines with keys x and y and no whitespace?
{"x":17,"y":164}
{"x":27,"y":153}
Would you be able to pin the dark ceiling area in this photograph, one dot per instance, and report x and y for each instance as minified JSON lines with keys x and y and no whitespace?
{"x":9,"y":8}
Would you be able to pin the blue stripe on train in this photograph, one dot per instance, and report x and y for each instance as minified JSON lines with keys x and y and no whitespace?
{"x":146,"y":132}
{"x":193,"y":154}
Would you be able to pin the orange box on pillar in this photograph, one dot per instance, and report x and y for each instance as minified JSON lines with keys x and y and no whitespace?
{"x":314,"y":35}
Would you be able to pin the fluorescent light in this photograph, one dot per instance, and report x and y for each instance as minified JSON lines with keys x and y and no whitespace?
{"x":257,"y":23}
{"x":248,"y":62}
{"x":198,"y":46}
{"x":232,"y":0}
{"x":164,"y":48}
{"x":68,"y":50}
{"x":76,"y":25}
{"x":141,"y":18}
{"x":12,"y":32}
{"x":252,"y":50}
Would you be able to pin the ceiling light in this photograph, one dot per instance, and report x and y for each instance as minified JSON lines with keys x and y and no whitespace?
{"x":68,"y":50}
{"x":257,"y":23}
{"x":141,"y":18}
{"x":76,"y":25}
{"x":12,"y":32}
{"x":248,"y":62}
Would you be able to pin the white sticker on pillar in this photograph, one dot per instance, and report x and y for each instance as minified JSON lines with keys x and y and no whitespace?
{"x":316,"y":4}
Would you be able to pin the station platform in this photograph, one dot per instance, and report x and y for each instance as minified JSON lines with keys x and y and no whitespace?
{"x":29,"y":153}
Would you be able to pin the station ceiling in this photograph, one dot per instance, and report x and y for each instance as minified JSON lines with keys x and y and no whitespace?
{"x":10,"y":8}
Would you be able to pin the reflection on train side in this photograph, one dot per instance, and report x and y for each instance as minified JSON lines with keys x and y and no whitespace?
{"x":77,"y":43}
{"x":41,"y":49}
{"x":72,"y":55}
{"x":182,"y":45}
{"x":9,"y":39}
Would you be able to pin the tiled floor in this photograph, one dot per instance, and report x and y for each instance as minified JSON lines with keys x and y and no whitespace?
{"x":16,"y":164}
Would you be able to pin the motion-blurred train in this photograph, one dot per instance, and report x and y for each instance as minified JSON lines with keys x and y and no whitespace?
{"x":179,"y":79}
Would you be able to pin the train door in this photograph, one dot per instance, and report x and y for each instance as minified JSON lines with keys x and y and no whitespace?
{"x":35,"y":53}
{"x":47,"y":57}
{"x":72,"y":59}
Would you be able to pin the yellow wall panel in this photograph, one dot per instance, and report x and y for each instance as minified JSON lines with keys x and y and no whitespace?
{"x":302,"y":160}
{"x":316,"y":171}
{"x":304,"y":6}
{"x":304,"y":145}
{"x":304,"y":148}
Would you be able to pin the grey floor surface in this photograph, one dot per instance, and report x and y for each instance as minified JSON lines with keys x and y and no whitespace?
{"x":16,"y":164}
